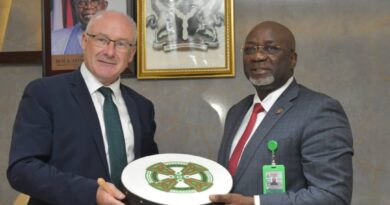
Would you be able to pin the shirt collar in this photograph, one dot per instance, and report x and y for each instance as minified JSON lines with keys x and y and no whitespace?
{"x":271,"y":98}
{"x":93,"y":84}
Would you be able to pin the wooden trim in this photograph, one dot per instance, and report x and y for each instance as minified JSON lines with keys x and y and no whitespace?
{"x":21,"y":57}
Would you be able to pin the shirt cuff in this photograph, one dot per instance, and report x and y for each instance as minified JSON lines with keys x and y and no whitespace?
{"x":257,"y":199}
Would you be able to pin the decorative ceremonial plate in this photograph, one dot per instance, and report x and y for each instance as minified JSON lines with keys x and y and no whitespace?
{"x":175,"y":179}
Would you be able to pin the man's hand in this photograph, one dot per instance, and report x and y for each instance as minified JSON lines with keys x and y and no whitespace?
{"x":105,"y":198}
{"x":232,"y":199}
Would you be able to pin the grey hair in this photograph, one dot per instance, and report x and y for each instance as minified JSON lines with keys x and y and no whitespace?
{"x":101,"y":13}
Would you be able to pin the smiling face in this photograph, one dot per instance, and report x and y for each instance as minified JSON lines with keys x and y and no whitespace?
{"x":273,"y":63}
{"x":85,"y":9}
{"x":107,"y":63}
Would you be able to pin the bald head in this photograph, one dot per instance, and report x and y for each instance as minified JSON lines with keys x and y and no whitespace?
{"x":280,"y":33}
{"x":109,"y":45}
{"x":269,"y":56}
{"x":114,"y":15}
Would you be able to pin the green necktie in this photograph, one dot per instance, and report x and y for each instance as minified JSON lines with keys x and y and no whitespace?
{"x":115,"y":138}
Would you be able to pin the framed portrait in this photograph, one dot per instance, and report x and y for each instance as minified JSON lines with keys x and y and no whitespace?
{"x":64,"y":22}
{"x":185,"y":38}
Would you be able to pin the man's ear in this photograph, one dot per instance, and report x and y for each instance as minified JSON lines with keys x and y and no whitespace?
{"x":83,"y":41}
{"x":132,"y":54}
{"x":293,"y":59}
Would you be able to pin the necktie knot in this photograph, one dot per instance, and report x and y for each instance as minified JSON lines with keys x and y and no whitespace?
{"x":258,"y":108}
{"x":106,"y":92}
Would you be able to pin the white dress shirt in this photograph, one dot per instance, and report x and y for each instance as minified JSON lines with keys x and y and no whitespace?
{"x":98,"y":99}
{"x":267,"y":103}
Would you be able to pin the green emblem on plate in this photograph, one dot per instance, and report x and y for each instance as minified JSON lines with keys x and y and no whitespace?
{"x":179,"y":177}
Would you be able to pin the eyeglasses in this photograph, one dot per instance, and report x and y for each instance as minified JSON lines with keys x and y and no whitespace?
{"x":266,"y":49}
{"x":102,"y":41}
{"x":84,"y":3}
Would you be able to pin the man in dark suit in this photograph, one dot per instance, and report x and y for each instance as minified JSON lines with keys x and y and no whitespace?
{"x":311,"y":129}
{"x":61,"y":144}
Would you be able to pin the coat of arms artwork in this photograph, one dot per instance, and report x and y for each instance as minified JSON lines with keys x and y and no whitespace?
{"x":185,"y":38}
{"x":186,"y":24}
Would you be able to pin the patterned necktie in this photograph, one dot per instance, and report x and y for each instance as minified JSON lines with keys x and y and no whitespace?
{"x":115,"y":138}
{"x":235,"y":158}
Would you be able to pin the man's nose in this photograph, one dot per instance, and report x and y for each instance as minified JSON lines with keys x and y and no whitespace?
{"x":110,"y":49}
{"x":260,"y":55}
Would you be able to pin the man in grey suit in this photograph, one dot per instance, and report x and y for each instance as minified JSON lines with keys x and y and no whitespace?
{"x":312,"y":130}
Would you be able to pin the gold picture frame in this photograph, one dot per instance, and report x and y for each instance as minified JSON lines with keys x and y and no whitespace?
{"x":185,"y":39}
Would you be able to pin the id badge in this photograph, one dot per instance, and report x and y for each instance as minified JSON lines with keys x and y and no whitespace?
{"x":274,"y":177}
{"x":274,"y":180}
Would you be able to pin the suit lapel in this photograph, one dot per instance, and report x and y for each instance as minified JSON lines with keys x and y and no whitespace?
{"x":277,"y":111}
{"x":81,"y":94}
{"x":231,"y":131}
{"x":134,"y":117}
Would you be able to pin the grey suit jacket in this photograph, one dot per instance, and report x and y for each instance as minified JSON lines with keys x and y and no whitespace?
{"x":315,"y":146}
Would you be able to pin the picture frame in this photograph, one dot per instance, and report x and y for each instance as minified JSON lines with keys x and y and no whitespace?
{"x":17,"y":57}
{"x":185,"y":39}
{"x":21,"y":57}
{"x":55,"y":60}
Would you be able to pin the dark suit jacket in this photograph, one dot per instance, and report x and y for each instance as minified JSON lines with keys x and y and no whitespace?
{"x":315,"y":145}
{"x":57,"y":149}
